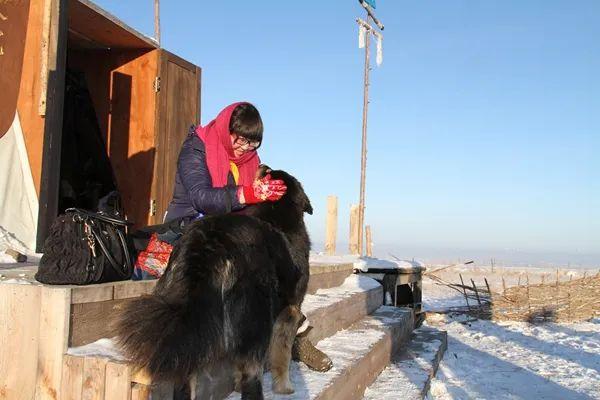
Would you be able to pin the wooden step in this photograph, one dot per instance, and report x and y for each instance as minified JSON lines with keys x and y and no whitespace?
{"x":359,"y":354}
{"x":409,"y":375}
{"x":328,"y":310}
{"x":327,"y":275}
{"x":93,"y":305}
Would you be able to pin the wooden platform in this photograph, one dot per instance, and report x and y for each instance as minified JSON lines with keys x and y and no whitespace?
{"x":38,"y":323}
{"x":41,"y":326}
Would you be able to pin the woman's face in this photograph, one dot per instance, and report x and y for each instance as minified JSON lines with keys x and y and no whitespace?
{"x":241,"y":145}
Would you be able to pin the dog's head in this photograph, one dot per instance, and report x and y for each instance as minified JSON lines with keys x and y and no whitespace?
{"x":294,"y":195}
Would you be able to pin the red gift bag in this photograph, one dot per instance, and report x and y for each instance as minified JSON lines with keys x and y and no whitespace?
{"x":155,"y":257}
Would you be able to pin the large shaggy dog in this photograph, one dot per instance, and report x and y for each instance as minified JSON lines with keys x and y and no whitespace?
{"x":232,"y":291}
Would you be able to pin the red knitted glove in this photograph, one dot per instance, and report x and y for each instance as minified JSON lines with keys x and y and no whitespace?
{"x":264,"y":189}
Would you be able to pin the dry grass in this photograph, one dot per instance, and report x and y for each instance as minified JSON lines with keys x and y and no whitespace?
{"x":551,"y":300}
{"x":575,"y":300}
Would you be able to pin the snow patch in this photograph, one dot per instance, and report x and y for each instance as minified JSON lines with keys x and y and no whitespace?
{"x":364,"y":263}
{"x":325,"y":297}
{"x":106,"y":348}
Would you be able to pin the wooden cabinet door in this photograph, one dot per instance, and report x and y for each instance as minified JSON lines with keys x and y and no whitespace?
{"x":178,"y":108}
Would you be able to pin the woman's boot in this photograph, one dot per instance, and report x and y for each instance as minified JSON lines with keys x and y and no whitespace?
{"x":303,"y":350}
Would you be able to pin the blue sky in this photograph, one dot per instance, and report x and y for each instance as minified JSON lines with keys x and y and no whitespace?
{"x":484,"y":121}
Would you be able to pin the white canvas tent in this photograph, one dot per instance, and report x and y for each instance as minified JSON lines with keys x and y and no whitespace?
{"x":18,"y":199}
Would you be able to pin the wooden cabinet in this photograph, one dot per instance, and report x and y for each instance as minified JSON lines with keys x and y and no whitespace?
{"x":145,"y":99}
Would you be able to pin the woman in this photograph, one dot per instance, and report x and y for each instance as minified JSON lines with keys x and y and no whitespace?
{"x":217,"y":166}
{"x":216,"y":173}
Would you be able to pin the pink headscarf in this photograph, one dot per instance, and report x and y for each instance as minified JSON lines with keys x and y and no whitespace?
{"x":219,"y":152}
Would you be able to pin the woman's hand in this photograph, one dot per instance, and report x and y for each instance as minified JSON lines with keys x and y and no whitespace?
{"x":265,"y":189}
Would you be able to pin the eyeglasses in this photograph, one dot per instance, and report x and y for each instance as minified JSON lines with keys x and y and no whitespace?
{"x":243,"y":142}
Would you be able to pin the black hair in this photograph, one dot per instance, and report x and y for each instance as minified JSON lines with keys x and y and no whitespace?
{"x":246,"y":122}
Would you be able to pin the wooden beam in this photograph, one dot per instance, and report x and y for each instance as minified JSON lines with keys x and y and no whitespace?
{"x":331,"y":230}
{"x":354,"y":230}
{"x":128,"y":289}
{"x":92,"y":293}
{"x":54,"y":98}
{"x":45,"y":51}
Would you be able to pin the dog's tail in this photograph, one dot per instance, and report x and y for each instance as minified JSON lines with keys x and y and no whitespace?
{"x":171,"y":336}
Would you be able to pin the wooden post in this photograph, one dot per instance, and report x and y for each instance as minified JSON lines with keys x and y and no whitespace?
{"x":476,"y":293}
{"x":528,"y":298}
{"x":369,"y":241}
{"x":488,"y":287}
{"x":363,"y":152}
{"x":543,"y":278}
{"x":503,"y":287}
{"x":157,"y":21}
{"x":556,"y":295}
{"x":331,"y":228}
{"x":45,"y":55}
{"x":464,"y":291}
{"x":354,"y":230}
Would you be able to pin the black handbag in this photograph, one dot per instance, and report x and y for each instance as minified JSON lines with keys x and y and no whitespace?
{"x":85,"y":247}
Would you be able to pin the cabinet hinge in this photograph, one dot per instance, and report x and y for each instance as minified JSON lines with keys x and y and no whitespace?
{"x":157,"y":84}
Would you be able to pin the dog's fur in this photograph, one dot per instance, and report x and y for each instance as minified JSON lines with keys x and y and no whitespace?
{"x":232,"y":290}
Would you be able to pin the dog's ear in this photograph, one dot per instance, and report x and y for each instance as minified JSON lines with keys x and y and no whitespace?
{"x":307,"y":206}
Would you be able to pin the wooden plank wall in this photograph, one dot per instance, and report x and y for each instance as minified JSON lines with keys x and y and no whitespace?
{"x":94,"y":308}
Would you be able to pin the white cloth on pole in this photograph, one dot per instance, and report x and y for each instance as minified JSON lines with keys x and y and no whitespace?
{"x":379,"y":50}
{"x":362,"y":31}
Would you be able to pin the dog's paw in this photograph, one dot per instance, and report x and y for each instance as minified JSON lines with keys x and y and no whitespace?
{"x":283,"y":388}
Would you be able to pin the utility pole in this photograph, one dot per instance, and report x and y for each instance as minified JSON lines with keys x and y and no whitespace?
{"x":365,"y":32}
{"x":157,"y":21}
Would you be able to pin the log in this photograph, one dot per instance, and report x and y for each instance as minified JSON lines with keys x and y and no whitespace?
{"x":331,"y":228}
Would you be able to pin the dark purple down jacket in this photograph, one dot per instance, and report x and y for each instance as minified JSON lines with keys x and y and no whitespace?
{"x":194,"y":195}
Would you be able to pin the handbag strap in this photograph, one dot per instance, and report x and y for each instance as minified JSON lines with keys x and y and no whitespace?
{"x":99,"y":216}
{"x":122,"y":270}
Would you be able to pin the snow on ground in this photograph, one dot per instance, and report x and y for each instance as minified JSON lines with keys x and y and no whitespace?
{"x":512,"y":360}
